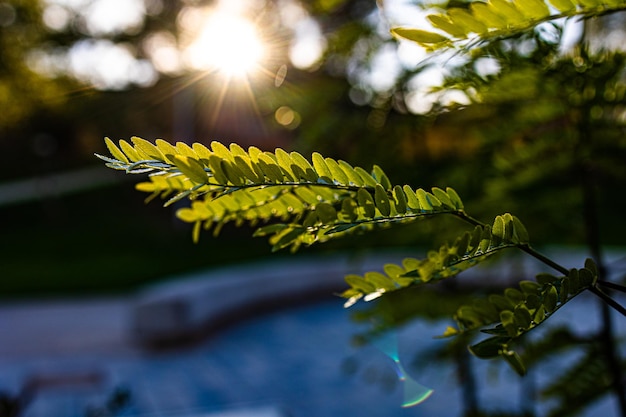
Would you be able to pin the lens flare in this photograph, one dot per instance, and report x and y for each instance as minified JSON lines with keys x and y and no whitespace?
{"x":414,"y":392}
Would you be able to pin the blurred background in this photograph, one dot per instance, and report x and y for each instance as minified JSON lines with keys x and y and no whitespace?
{"x":322,"y":75}
{"x":319,"y":75}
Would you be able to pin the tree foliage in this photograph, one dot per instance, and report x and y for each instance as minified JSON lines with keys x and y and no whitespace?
{"x":485,"y":21}
{"x":565,"y":115}
{"x":22,"y":90}
{"x":295,"y":202}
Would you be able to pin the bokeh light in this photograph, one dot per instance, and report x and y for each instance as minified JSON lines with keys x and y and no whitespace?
{"x":226,"y":43}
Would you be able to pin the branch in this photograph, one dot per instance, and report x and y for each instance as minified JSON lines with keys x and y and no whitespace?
{"x":611,"y":302}
{"x":612,"y":285}
{"x":486,"y":21}
{"x":544,"y":259}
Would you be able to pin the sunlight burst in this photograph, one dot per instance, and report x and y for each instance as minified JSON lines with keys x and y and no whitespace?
{"x":228,"y":44}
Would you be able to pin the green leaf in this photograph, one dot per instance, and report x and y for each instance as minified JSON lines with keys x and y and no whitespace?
{"x":237,"y":150}
{"x":381,"y":199}
{"x":367,"y":178}
{"x":286,"y":237}
{"x":187,"y":215}
{"x":320,"y":167}
{"x":215,"y":164}
{"x":450,"y":331}
{"x":412,"y":201}
{"x":564,"y":290}
{"x":468,"y":317}
{"x":177,"y":197}
{"x":233,"y":173}
{"x":586,"y":277}
{"x":434,"y":201}
{"x":562,"y":5}
{"x":269,"y":230}
{"x":419,"y":36}
{"x":508,"y":227}
{"x":311,"y":219}
{"x":533,"y":301}
{"x":222,"y":151}
{"x":380,"y":177}
{"x":284,"y":161}
{"x":588,"y":3}
{"x":115,"y":151}
{"x":540,"y":314}
{"x":550,"y":298}
{"x":326,"y":213}
{"x":424,"y":202}
{"x":353,"y":177}
{"x":130,"y":152}
{"x":349,"y":210}
{"x":489,"y":348}
{"x":529,"y":287}
{"x":380,"y":281}
{"x":307,"y":195}
{"x":195,"y":234}
{"x":486,"y":309}
{"x":185,"y":150}
{"x":396,"y":273}
{"x":358,"y":283}
{"x":515,"y":361}
{"x":202,"y":151}
{"x":445,"y":199}
{"x":166,"y":149}
{"x":400,"y":199}
{"x":514,"y":295}
{"x":455,"y":198}
{"x":475,"y":238}
{"x":591,"y":266}
{"x":522,"y":316}
{"x":444,"y":23}
{"x":507,"y":318}
{"x":338,"y":175}
{"x":500,"y":302}
{"x":308,"y":172}
{"x":574,"y":281}
{"x":270,"y":168}
{"x":245,"y":166}
{"x":148,"y":148}
{"x":485,"y":240}
{"x":533,"y":9}
{"x":545,"y":278}
{"x":461,"y":244}
{"x":484,"y":13}
{"x":366,"y":203}
{"x":191,"y":168}
{"x":497,"y":230}
{"x":508,"y":11}
{"x":521,"y":234}
{"x":466,"y":21}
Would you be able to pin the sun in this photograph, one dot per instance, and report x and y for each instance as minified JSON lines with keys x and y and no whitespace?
{"x":228,"y":44}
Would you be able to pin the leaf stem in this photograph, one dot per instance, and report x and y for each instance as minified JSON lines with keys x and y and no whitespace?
{"x":526,"y":248}
{"x":608,"y":300}
{"x":611,"y":285}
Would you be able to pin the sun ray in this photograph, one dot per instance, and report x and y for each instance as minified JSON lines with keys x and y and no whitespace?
{"x":215,"y":114}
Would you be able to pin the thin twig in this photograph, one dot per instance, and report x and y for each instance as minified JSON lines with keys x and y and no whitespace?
{"x":611,"y":302}
{"x":612,"y":285}
{"x":544,"y":259}
{"x":525,"y":247}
